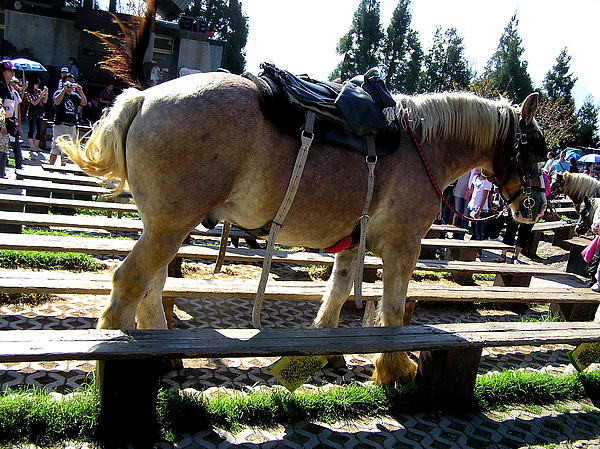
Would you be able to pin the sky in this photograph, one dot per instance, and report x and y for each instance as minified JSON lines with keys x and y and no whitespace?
{"x":301,"y":35}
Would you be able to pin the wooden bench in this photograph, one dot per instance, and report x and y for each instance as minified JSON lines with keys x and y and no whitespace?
{"x":506,"y":274}
{"x":562,"y":231}
{"x":575,"y":262}
{"x":582,"y":302}
{"x":69,"y":168}
{"x":128,"y":370}
{"x":23,"y":200}
{"x":39,"y":175}
{"x":39,"y":188}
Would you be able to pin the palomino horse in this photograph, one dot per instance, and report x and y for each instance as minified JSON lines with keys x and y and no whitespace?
{"x":576,"y":186}
{"x":200,"y":145}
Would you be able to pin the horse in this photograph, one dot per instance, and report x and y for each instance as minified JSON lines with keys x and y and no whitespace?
{"x":199,"y":146}
{"x":589,"y":211}
{"x":576,"y":186}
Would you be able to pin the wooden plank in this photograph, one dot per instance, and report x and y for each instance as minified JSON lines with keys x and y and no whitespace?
{"x":80,"y":204}
{"x":52,"y":187}
{"x":69,"y":168}
{"x":63,"y":283}
{"x":58,"y":178}
{"x":123,"y":247}
{"x":50,"y":345}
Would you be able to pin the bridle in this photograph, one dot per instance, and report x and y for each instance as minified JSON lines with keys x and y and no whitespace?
{"x":529,"y":141}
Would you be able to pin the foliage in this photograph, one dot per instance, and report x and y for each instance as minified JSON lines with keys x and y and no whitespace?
{"x":226,"y":20}
{"x":361,"y":46}
{"x":557,"y":121}
{"x":558,"y":83}
{"x":445,"y":65}
{"x":586,"y":127}
{"x":42,"y":260}
{"x":505,"y":68}
{"x":401,"y":58}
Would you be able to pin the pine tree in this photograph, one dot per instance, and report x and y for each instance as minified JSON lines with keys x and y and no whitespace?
{"x":586,"y":128}
{"x":361,"y":46}
{"x":402,"y":54}
{"x":506,"y":70}
{"x":445,"y":65}
{"x":226,"y":20}
{"x":558,"y":83}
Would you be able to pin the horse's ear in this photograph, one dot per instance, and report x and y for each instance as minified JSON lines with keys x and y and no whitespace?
{"x":529,"y":107}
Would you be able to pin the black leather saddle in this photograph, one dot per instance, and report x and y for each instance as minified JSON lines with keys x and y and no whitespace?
{"x":346,"y":113}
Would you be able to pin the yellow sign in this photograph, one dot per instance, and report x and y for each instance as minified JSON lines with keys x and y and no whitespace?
{"x":584,"y":355}
{"x":291,"y":372}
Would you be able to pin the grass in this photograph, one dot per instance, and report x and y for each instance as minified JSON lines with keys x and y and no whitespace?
{"x":34,"y":416}
{"x":41,"y":260}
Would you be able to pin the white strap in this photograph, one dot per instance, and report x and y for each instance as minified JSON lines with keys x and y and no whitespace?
{"x":306,"y":138}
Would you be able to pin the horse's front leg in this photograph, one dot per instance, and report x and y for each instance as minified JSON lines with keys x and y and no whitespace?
{"x":398,"y":265}
{"x":338,"y":290}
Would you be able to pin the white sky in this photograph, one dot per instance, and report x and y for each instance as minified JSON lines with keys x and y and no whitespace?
{"x":301,"y":35}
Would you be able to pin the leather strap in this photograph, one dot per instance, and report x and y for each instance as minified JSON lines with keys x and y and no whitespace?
{"x":306,"y":137}
{"x":371,"y":161}
{"x":222,"y":247}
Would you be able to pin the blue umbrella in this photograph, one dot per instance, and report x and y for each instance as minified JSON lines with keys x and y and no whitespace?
{"x":571,"y":154}
{"x":590,"y":158}
{"x":27,"y":65}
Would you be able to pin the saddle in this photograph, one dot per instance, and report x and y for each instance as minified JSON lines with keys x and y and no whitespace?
{"x":346,"y":113}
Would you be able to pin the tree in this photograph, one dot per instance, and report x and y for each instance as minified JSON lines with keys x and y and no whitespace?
{"x":361,"y":46}
{"x":558,"y":83}
{"x":558,"y":104}
{"x":445,"y":67}
{"x":401,"y":59}
{"x":505,"y":68}
{"x":586,"y":127}
{"x":225,"y":19}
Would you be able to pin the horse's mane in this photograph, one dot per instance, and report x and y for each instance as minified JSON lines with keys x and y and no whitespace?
{"x":577,"y":186}
{"x":476,"y":121}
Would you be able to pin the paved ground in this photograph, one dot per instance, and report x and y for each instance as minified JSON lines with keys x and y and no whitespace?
{"x":570,"y":425}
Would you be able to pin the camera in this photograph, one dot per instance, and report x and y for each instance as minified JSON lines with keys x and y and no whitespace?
{"x":73,"y":85}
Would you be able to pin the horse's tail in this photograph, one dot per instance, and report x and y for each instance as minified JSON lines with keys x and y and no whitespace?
{"x":103,"y":155}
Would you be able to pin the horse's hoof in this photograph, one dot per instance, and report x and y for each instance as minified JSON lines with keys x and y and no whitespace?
{"x":336,"y":361}
{"x":394,"y":367}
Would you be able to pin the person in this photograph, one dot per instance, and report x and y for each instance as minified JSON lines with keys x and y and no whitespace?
{"x":73,"y":70}
{"x":589,"y":170}
{"x":7,"y":120}
{"x":15,"y":139}
{"x":560,"y":165}
{"x":522,"y":231}
{"x":36,"y":99}
{"x":478,"y":204}
{"x":66,"y":102}
{"x":106,"y":98}
{"x":573,"y":165}
{"x":154,"y":74}
{"x":593,"y":268}
{"x":460,"y":203}
{"x":548,"y":165}
{"x":64,"y":72}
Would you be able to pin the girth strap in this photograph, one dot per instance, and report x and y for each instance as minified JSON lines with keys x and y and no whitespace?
{"x":306,"y":137}
{"x":222,"y":247}
{"x":371,"y":160}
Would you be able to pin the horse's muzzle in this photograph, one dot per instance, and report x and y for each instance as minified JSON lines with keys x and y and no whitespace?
{"x":531,"y":208}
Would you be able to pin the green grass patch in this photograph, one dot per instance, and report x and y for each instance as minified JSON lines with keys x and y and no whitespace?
{"x":41,"y":231}
{"x":34,"y":417}
{"x":41,"y":260}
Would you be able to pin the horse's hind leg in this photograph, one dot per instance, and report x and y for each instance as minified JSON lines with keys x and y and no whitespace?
{"x":150,"y":312}
{"x":141,"y":275}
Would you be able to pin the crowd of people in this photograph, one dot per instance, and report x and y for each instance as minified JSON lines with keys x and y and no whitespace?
{"x":29,"y":99}
{"x":474,"y":196}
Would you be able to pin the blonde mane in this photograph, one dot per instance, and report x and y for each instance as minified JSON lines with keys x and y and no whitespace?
{"x":577,"y":186}
{"x":475,"y":121}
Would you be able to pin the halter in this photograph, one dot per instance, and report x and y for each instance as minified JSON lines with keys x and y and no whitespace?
{"x":525,"y":140}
